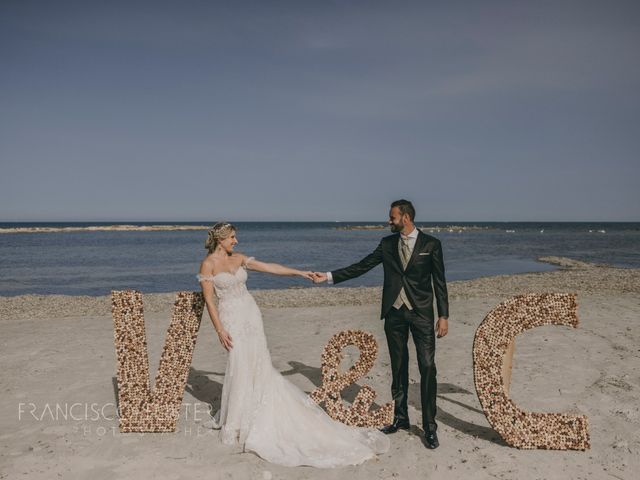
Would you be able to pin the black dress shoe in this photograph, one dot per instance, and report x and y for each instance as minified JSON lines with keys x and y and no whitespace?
{"x":431,"y":439}
{"x":395,"y":426}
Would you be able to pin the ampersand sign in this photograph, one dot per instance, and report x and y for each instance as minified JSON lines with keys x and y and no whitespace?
{"x":333,"y":382}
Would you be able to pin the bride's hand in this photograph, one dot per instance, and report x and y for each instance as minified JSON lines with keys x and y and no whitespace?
{"x":225,"y":339}
{"x":307,"y":275}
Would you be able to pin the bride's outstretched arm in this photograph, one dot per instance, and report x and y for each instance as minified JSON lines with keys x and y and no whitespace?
{"x":208,"y":294}
{"x":275,"y":268}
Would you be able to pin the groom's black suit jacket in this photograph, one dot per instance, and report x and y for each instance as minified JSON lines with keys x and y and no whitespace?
{"x":426,"y":263}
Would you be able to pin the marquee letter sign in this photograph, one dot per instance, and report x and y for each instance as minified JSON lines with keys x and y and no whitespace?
{"x":494,"y":337}
{"x":333,"y":382}
{"x":143,"y":410}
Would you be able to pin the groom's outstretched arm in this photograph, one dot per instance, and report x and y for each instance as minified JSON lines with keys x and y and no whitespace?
{"x":357,"y":269}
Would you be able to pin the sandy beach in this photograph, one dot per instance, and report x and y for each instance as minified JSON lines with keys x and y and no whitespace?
{"x":57,"y":394}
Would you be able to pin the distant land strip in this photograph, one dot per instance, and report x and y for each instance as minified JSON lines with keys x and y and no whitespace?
{"x":448,"y":228}
{"x":109,"y":228}
{"x":153,"y":228}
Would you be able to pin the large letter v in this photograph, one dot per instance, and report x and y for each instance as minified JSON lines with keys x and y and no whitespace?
{"x":143,"y":410}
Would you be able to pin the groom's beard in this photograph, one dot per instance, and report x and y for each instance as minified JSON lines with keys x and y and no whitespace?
{"x":396,"y":228}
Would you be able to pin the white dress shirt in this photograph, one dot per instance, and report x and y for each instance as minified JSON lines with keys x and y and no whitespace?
{"x":411,"y":237}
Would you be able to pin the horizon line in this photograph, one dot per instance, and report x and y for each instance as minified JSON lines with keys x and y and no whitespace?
{"x":371,"y":222}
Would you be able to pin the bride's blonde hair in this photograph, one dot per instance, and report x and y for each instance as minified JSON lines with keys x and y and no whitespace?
{"x":219,"y":231}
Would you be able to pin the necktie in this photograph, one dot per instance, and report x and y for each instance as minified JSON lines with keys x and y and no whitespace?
{"x":405,"y":255}
{"x":405,"y":252}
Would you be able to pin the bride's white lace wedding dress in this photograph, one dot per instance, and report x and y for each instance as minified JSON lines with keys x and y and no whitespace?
{"x":265,"y":412}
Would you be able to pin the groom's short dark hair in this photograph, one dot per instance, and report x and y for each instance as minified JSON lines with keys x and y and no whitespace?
{"x":405,"y":206}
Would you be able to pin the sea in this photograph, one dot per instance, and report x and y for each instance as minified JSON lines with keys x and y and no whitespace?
{"x":88,"y":262}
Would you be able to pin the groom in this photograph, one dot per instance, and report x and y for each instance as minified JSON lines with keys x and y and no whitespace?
{"x":412,"y":263}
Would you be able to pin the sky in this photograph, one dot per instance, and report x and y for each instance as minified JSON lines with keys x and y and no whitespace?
{"x":319,"y":110}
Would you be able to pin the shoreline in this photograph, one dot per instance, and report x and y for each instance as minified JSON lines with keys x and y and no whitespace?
{"x":571,"y":276}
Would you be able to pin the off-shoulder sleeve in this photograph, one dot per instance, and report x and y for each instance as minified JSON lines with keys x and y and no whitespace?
{"x":204,"y":278}
{"x":246,"y":262}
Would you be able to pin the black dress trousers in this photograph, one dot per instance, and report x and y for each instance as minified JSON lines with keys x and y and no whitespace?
{"x":398,"y":323}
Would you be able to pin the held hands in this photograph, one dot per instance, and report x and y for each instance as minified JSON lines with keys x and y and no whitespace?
{"x":319,"y":277}
{"x":315,"y":277}
{"x":307,"y":275}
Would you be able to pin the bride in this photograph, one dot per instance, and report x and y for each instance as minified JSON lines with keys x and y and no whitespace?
{"x":260,"y":409}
